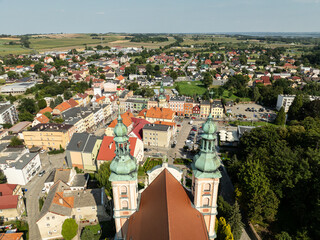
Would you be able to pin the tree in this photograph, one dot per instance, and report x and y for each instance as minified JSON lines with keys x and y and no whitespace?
{"x":48,"y":115}
{"x":52,"y":104}
{"x":103,"y":177}
{"x":295,"y":107}
{"x":283,"y":236}
{"x":174,"y":75}
{"x":133,"y":86}
{"x":67,"y":95}
{"x":42,"y":104}
{"x":58,"y":100}
{"x":256,"y":94}
{"x":58,"y":120}
{"x":281,"y":117}
{"x":3,"y":178}
{"x":149,"y":69}
{"x":91,"y":232}
{"x":25,"y":116}
{"x":207,"y":79}
{"x":224,"y":230}
{"x":69,"y":229}
{"x":29,"y":105}
{"x":37,"y":68}
{"x":15,"y":141}
{"x":235,"y":221}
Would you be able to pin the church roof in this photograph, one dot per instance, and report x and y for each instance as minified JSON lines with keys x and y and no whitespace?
{"x":165,"y":212}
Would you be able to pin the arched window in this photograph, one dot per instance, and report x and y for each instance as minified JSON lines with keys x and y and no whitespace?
{"x":207,"y":187}
{"x":205,"y":202}
{"x":125,"y":205}
{"x":123,"y":190}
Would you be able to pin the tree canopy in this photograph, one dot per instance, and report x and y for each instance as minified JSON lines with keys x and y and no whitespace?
{"x":69,"y":229}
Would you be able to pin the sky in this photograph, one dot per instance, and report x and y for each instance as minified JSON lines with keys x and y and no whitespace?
{"x":152,"y":16}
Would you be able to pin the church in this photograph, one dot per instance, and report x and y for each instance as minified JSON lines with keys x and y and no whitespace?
{"x":164,"y":209}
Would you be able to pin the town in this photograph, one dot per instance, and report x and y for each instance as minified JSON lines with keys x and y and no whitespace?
{"x":91,"y":135}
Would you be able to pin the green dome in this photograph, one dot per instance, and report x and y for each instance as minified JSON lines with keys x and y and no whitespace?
{"x":209,"y":128}
{"x":123,"y":166}
{"x":120,"y":129}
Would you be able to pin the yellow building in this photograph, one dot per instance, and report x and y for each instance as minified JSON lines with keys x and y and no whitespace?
{"x":157,"y":135}
{"x":159,"y":114}
{"x":205,"y":109}
{"x":49,"y":136}
{"x":217,"y":109}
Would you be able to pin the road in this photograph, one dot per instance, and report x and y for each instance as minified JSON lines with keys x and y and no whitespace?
{"x":186,"y":65}
{"x":34,"y":189}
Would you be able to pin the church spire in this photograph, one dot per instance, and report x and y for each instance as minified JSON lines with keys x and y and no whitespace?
{"x":123,"y":166}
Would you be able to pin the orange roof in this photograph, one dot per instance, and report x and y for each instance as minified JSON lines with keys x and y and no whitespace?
{"x":108,"y":147}
{"x":165,"y":212}
{"x":120,"y":77}
{"x":100,"y":99}
{"x":141,"y":114}
{"x":47,"y":109}
{"x":66,"y":201}
{"x":42,"y":119}
{"x":126,"y":119}
{"x":63,"y":106}
{"x":163,"y":113}
{"x":72,"y":102}
{"x":11,"y":236}
{"x":165,"y":123}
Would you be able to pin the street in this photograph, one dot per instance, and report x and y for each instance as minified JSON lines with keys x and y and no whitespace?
{"x":34,"y":188}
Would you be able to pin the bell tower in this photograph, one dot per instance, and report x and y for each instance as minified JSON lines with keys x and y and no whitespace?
{"x":206,"y":176}
{"x":123,"y":177}
{"x":162,"y":101}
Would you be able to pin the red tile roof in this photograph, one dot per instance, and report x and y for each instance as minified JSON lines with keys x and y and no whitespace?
{"x":138,"y":126}
{"x":107,"y":148}
{"x":126,"y":119}
{"x":165,"y":212}
{"x":161,"y":113}
{"x":8,"y":201}
{"x":42,"y":119}
{"x":11,"y":236}
{"x":7,"y":189}
{"x":72,"y":102}
{"x":63,"y":106}
{"x":47,"y":109}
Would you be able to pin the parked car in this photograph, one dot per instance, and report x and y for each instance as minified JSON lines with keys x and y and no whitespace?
{"x":178,"y":125}
{"x":42,"y":151}
{"x":42,"y":173}
{"x":193,"y":118}
{"x":43,"y":190}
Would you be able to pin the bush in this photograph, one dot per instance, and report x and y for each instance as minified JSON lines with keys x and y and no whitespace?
{"x":151,"y":163}
{"x":182,"y":161}
{"x":55,"y":151}
{"x":15,"y":141}
{"x":91,"y":232}
{"x":69,"y":229}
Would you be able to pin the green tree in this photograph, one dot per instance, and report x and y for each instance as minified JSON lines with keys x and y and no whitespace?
{"x":58,"y":120}
{"x":42,"y":104}
{"x":103,"y":177}
{"x":235,"y":221}
{"x":283,"y":236}
{"x":207,"y":79}
{"x":25,"y":116}
{"x":256,"y":94}
{"x":37,"y":68}
{"x":3,"y":178}
{"x":174,"y":75}
{"x":52,"y":104}
{"x":67,"y":95}
{"x":58,"y":100}
{"x":29,"y":105}
{"x":281,"y":117}
{"x":224,"y":230}
{"x":69,"y":229}
{"x":91,"y":232}
{"x":295,"y":107}
{"x":15,"y":141}
{"x":48,"y":115}
{"x":149,"y":69}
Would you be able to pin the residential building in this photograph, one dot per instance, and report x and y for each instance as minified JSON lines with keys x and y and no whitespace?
{"x":285,"y":101}
{"x":40,"y":119}
{"x":196,"y":110}
{"x":85,"y":113}
{"x":49,"y":136}
{"x":23,"y":169}
{"x":217,"y":109}
{"x":159,"y":114}
{"x":188,"y":106}
{"x":85,"y":206}
{"x":11,"y":202}
{"x":205,"y":109}
{"x":176,"y":104}
{"x":70,"y":177}
{"x":156,"y":135}
{"x":82,"y":151}
{"x":8,"y":113}
{"x":108,"y":147}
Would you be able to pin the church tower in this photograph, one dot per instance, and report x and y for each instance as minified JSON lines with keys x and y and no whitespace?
{"x":162,"y":101}
{"x":206,"y":176}
{"x":123,"y":177}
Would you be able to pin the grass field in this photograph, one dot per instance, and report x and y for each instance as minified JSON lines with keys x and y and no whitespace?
{"x":127,"y":43}
{"x":190,"y":88}
{"x":11,"y":49}
{"x":227,"y":96}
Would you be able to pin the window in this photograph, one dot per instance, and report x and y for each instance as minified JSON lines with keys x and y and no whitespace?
{"x":93,"y":208}
{"x":125,"y":205}
{"x":123,"y":190}
{"x":207,"y":187}
{"x":48,"y":225}
{"x":78,"y":209}
{"x":205,"y":202}
{"x":48,"y":218}
{"x":53,"y":217}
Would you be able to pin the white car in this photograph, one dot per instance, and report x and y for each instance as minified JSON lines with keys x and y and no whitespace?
{"x":43,"y":190}
{"x":42,"y":151}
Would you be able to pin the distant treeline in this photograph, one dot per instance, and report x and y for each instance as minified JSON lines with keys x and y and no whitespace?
{"x":4,"y":35}
{"x":302,"y":40}
{"x":146,"y":38}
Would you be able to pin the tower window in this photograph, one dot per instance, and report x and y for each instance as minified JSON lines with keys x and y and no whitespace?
{"x":207,"y":187}
{"x":125,"y":205}
{"x":205,"y":202}
{"x":123,"y":190}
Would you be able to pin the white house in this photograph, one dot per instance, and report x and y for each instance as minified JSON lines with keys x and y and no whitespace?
{"x":24,"y":169}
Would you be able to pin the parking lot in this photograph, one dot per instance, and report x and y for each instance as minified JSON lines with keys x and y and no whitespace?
{"x":251,"y":112}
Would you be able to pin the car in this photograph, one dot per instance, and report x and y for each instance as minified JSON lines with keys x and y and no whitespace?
{"x":42,"y":151}
{"x":43,"y":190}
{"x":173,"y":145}
{"x":178,"y":125}
{"x":42,"y":173}
{"x":193,"y":118}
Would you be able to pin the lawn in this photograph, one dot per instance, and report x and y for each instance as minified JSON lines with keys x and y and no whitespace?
{"x":190,"y":88}
{"x":227,"y":96}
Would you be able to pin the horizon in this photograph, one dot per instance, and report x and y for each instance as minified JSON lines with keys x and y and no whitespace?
{"x":142,"y":16}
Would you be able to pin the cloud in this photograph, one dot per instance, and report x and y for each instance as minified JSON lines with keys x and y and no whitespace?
{"x":100,"y":13}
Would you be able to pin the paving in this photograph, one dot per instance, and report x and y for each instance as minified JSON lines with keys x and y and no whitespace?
{"x":34,"y":188}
